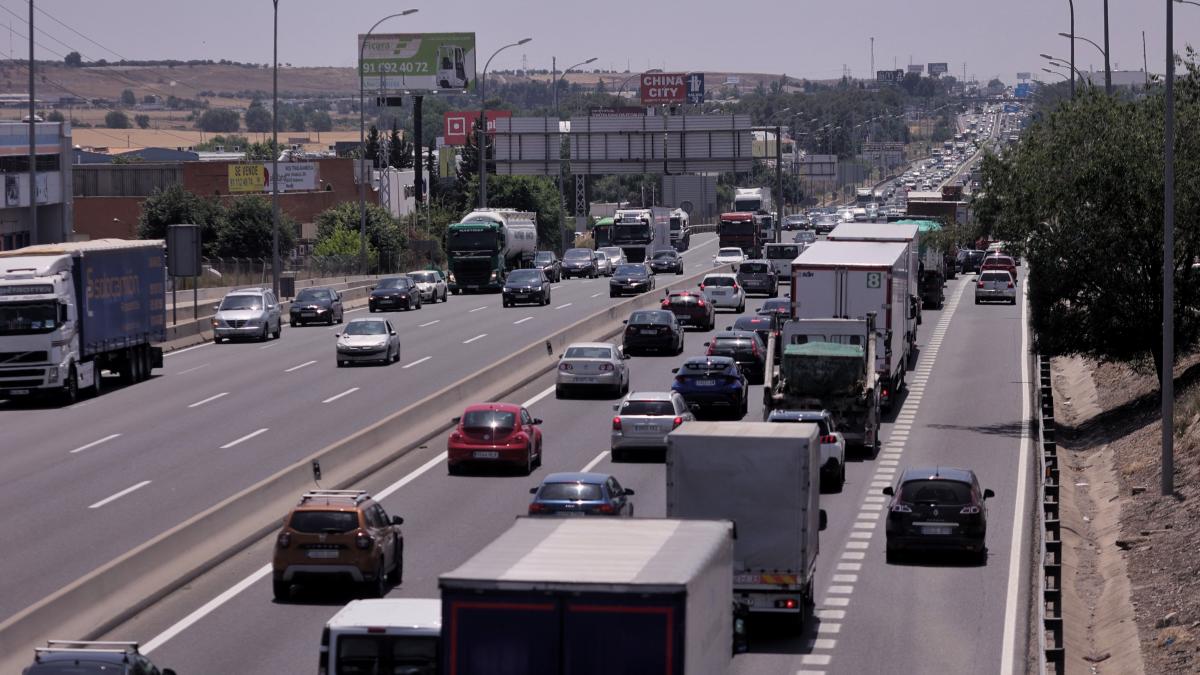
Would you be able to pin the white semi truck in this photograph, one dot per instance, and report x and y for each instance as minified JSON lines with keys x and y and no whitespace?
{"x":641,"y":232}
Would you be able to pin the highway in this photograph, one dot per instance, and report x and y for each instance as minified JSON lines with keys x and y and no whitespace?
{"x":964,"y":407}
{"x":110,"y":472}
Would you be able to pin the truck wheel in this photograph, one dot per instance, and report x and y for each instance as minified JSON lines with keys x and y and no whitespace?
{"x":282,"y":590}
{"x":70,"y":390}
{"x":97,"y":381}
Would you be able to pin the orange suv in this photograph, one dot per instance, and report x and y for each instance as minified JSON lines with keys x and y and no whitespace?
{"x":340,"y":533}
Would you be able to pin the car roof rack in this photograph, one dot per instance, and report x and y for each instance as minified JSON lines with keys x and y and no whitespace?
{"x":358,"y":496}
{"x":92,"y":646}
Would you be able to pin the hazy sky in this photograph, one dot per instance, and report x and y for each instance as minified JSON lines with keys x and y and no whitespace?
{"x":805,"y":38}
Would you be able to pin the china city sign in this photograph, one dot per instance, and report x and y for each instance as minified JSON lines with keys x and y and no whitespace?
{"x":420,"y":63}
{"x":659,"y":88}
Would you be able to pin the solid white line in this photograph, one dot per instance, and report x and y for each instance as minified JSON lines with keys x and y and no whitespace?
{"x":592,"y":464}
{"x":120,"y":494}
{"x":335,"y":397}
{"x":477,"y":309}
{"x":564,"y":306}
{"x":539,"y":396}
{"x":94,"y":443}
{"x":302,"y":365}
{"x":596,"y":295}
{"x":420,"y":360}
{"x":477,"y":337}
{"x":521,"y":321}
{"x":245,"y":438}
{"x":192,"y":370}
{"x":1008,"y":644}
{"x":387,"y":491}
{"x":197,"y":404}
{"x":205,"y":609}
{"x":356,"y":309}
{"x":428,"y":323}
{"x":187,"y":349}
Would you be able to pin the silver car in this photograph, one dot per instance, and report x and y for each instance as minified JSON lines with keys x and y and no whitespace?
{"x":592,"y":365}
{"x":616,"y":254}
{"x":248,"y":313}
{"x":432,"y":285}
{"x":604,"y":264}
{"x":643,"y":420}
{"x":368,"y":339}
{"x":723,"y":290}
{"x":995,"y":285}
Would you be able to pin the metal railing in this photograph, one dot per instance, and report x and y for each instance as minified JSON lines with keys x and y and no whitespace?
{"x":232,"y":272}
{"x":1051,"y":653}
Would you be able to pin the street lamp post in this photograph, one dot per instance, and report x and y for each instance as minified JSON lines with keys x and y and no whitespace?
{"x":1107,"y":69}
{"x":1167,"y":385}
{"x":275,"y":150}
{"x":482,"y":147}
{"x":362,"y":145}
{"x":621,"y":89}
{"x":1072,"y":5}
{"x":1102,"y":50}
{"x":557,"y":122}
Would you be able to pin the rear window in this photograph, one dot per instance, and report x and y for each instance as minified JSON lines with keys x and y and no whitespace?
{"x":312,"y":295}
{"x":570,"y":491}
{"x":666,"y":255}
{"x":681,"y":300}
{"x":651,"y":318}
{"x":994,"y":276}
{"x":589,"y":353}
{"x":782,"y":252}
{"x":631,"y":270}
{"x":719,"y":281}
{"x":754,"y":268}
{"x":752,"y":323}
{"x":329,"y":522}
{"x":647,"y":408}
{"x":575,"y":253}
{"x":489,"y":419}
{"x":949,"y":492}
{"x":730,"y":345}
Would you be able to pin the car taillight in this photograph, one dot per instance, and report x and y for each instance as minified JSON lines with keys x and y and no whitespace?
{"x":829,"y":438}
{"x":786,"y":603}
{"x":679,"y":379}
{"x":676,"y":422}
{"x":666,"y":303}
{"x":606,"y":508}
{"x":606,"y":367}
{"x":699,"y":303}
{"x":754,"y":348}
{"x":363,"y":540}
{"x":711,"y":347}
{"x":537,"y":508}
{"x":701,"y":286}
{"x":1010,"y":284}
{"x":980,"y":284}
{"x":970,"y":510}
{"x":616,"y":424}
{"x":284,"y":540}
{"x":901,"y":508}
{"x":565,"y":367}
{"x":735,"y":287}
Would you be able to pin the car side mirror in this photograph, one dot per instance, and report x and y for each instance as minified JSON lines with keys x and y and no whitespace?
{"x":533,"y":491}
{"x":822,"y":521}
{"x":337,"y":335}
{"x":393,"y":332}
{"x":455,"y":420}
{"x":706,"y":344}
{"x":988,"y":494}
{"x":629,"y":492}
{"x":535,"y":421}
{"x":626,"y":321}
{"x":674,"y":370}
{"x":397,"y":520}
{"x":371,"y":288}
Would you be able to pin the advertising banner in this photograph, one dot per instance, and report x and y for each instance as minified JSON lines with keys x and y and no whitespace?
{"x":458,"y":124}
{"x":695,"y":88}
{"x":1023,"y":76}
{"x":889,"y":76}
{"x":936,"y":69}
{"x":247,"y":178}
{"x":916,"y":68}
{"x":420,"y":63}
{"x":658,"y":88}
{"x":256,"y":177}
{"x":618,"y":111}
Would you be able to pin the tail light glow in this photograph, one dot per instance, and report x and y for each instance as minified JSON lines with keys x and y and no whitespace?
{"x":606,"y":508}
{"x":829,"y":438}
{"x":535,"y":507}
{"x":676,"y":422}
{"x":980,"y":285}
{"x":616,"y":424}
{"x":1010,"y":284}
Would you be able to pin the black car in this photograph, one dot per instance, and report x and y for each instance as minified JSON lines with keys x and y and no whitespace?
{"x":548,"y":263}
{"x":757,"y":276}
{"x":316,"y":304}
{"x":745,"y":347}
{"x":781,"y":306}
{"x":394,"y":293}
{"x":631,"y":278}
{"x":526,"y":286}
{"x":937,"y":508}
{"x":579,"y":262}
{"x":667,"y":260}
{"x":656,"y":329}
{"x":971,"y":260}
{"x":691,"y":309}
{"x":795,"y":222}
{"x":763,"y":325}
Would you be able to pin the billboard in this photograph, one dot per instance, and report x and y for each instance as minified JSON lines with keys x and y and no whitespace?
{"x":617,"y":111}
{"x":250,"y":177}
{"x":695,"y":88}
{"x":936,"y":69}
{"x":1023,"y":76}
{"x":889,"y":76}
{"x":916,"y":68}
{"x":457,"y":124}
{"x":663,"y":88}
{"x":421,"y":63}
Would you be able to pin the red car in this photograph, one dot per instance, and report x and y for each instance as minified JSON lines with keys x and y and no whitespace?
{"x":489,"y":434}
{"x":1000,"y":262}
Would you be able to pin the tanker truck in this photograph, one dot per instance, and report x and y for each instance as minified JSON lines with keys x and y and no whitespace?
{"x":487,"y":245}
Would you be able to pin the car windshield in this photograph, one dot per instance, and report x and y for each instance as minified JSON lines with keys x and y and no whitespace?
{"x":394,"y":282}
{"x":574,"y":492}
{"x":578,"y":254}
{"x":729,"y":253}
{"x":647,"y":408}
{"x":524,"y":277}
{"x":666,"y":255}
{"x":329,"y":522}
{"x":656,"y":317}
{"x":589,"y":353}
{"x":233,"y":302}
{"x":782,"y":252}
{"x":423,"y":277}
{"x":720,"y":281}
{"x":949,"y":492}
{"x":776,"y":306}
{"x":754,"y":268}
{"x":631,"y":270}
{"x":366,"y":328}
{"x":543,"y":258}
{"x":313,"y":295}
{"x":28,"y":317}
{"x":489,"y":419}
{"x":684,"y":299}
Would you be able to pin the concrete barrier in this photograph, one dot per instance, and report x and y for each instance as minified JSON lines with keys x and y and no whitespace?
{"x":111,"y":594}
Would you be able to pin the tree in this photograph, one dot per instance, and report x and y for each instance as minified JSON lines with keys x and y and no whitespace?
{"x":174,"y":206}
{"x":54,"y":116}
{"x":400,"y":150}
{"x":73,"y":60}
{"x":143,"y":121}
{"x":258,"y":118}
{"x":127,"y":97}
{"x":218,"y":120}
{"x":383,"y":232}
{"x":372,"y":148}
{"x":294,"y":118}
{"x":529,"y":193}
{"x":340,"y":248}
{"x":246,"y":230}
{"x":320,"y":120}
{"x":115,"y":119}
{"x":264,"y":151}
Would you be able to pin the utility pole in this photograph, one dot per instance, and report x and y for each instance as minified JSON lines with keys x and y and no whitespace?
{"x":34,"y":234}
{"x":275,"y":153}
{"x":872,"y":73}
{"x":1107,"y":69}
{"x":779,"y":180}
{"x":1167,"y":386}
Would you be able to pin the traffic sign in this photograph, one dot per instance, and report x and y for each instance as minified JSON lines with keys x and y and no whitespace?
{"x":695,"y":88}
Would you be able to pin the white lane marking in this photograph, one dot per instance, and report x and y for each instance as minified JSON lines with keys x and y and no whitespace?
{"x":521,"y":321}
{"x":302,"y":365}
{"x":477,"y":309}
{"x":335,"y":397}
{"x":841,"y":590}
{"x":539,"y":396}
{"x":859,"y":545}
{"x":192,"y":370}
{"x":1008,"y":643}
{"x":564,"y":306}
{"x":120,"y":494}
{"x":830,"y":614}
{"x":853,"y":555}
{"x":356,"y":309}
{"x":849,"y":567}
{"x":94,"y":443}
{"x":829,"y":628}
{"x":860,"y":535}
{"x":273,"y":344}
{"x":389,"y":490}
{"x":243,"y":439}
{"x":477,"y":337}
{"x":210,"y":399}
{"x":418,"y":361}
{"x":821,"y":643}
{"x":187,"y":349}
{"x":428,"y":323}
{"x":595,"y":460}
{"x":596,"y":295}
{"x":205,"y":609}
{"x":837,"y":602}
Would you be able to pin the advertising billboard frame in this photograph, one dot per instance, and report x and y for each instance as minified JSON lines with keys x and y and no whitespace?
{"x":419,"y":63}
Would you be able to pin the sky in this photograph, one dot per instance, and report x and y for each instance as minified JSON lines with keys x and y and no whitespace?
{"x":802,"y":38}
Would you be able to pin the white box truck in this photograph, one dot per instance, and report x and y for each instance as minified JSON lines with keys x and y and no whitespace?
{"x":848,"y":280}
{"x":890,"y":232}
{"x":766,"y":479}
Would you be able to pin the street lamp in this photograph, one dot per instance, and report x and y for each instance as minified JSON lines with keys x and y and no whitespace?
{"x":1071,"y":4}
{"x":483,"y":123}
{"x":621,"y":89}
{"x":362,"y":145}
{"x":275,"y":150}
{"x":1107,"y":72}
{"x":1056,"y":72}
{"x":1055,"y":61}
{"x":557,"y":125}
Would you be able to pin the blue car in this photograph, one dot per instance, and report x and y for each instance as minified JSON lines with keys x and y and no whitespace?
{"x":580,"y":494}
{"x":712,"y":385}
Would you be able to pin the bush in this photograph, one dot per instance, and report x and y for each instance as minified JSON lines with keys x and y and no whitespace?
{"x":115,"y":119}
{"x":218,"y":120}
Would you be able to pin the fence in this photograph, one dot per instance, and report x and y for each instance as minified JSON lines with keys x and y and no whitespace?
{"x":226,"y":272}
{"x":1051,"y":655}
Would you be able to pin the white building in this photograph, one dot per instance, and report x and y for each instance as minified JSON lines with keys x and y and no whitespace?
{"x":54,"y":185}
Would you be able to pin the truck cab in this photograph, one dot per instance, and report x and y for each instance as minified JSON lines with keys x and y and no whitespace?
{"x":386,"y":635}
{"x":740,"y":229}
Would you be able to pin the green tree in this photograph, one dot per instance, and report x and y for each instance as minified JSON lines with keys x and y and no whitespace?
{"x":174,"y":205}
{"x":258,"y":118}
{"x":228,"y":142}
{"x":340,"y":248}
{"x":529,"y":193}
{"x":115,"y":119}
{"x":294,"y":119}
{"x":383,"y":232}
{"x":400,"y":150}
{"x":143,"y":121}
{"x":320,"y":120}
{"x":127,"y":97}
{"x":218,"y":120}
{"x":373,"y":146}
{"x":247,"y":227}
{"x":55,"y":116}
{"x":264,"y":151}
{"x":73,"y":60}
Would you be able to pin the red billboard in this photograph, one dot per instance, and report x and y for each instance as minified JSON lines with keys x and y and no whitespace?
{"x":663,"y":88}
{"x":457,"y":124}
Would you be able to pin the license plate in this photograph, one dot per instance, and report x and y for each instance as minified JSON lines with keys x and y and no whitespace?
{"x":649,"y":332}
{"x":520,"y":296}
{"x":485,"y":454}
{"x":571,"y":513}
{"x":18,"y":392}
{"x":585,"y":380}
{"x":720,"y":293}
{"x":706,"y":383}
{"x":937,"y":530}
{"x":645,"y":427}
{"x":323,"y":554}
{"x":308,"y":313}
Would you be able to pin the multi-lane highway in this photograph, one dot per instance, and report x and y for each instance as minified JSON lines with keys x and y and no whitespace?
{"x":102,"y":476}
{"x":963,"y":408}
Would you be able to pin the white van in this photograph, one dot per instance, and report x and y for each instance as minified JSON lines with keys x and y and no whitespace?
{"x":780,"y":256}
{"x":386,"y":635}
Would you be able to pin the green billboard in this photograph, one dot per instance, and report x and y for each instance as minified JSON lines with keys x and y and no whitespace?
{"x":419,"y":63}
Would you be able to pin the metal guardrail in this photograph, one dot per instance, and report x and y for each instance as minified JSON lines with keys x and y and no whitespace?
{"x":1051,"y":653}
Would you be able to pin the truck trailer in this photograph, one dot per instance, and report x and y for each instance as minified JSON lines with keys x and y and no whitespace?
{"x":766,"y":479}
{"x":742,"y":230}
{"x":593,"y":596}
{"x":905,"y":233}
{"x":69,"y":311}
{"x":641,"y":232}
{"x":486,"y":246}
